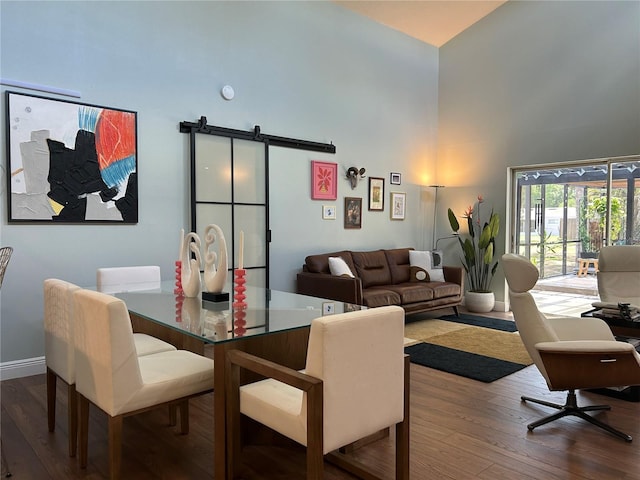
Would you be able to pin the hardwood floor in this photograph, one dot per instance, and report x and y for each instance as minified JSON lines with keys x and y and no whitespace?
{"x":460,"y":429}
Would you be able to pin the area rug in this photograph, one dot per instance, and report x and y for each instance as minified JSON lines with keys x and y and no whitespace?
{"x":472,"y":346}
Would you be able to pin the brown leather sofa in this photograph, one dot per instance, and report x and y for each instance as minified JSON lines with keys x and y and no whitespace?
{"x":381,"y":277}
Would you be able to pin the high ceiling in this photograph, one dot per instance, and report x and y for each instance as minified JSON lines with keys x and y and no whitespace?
{"x":432,"y":21}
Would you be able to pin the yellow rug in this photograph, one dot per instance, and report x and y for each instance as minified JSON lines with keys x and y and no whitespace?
{"x":479,"y":340}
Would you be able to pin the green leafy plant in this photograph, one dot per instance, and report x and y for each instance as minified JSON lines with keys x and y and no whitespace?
{"x":478,"y":247}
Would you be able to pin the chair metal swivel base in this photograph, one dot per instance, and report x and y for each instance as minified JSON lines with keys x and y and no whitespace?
{"x":571,"y":408}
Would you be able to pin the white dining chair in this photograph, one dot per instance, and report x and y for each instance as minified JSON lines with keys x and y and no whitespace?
{"x":355,"y":384}
{"x":60,"y":351}
{"x":111,"y":376}
{"x":128,"y":279}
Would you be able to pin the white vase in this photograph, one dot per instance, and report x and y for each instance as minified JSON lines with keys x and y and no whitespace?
{"x":480,"y":302}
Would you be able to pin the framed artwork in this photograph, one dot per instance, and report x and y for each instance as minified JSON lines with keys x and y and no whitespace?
{"x":70,"y":162}
{"x":395,"y":178}
{"x":324,"y":180}
{"x":376,"y":193}
{"x":352,"y":212}
{"x":328,"y":212}
{"x":398,"y":201}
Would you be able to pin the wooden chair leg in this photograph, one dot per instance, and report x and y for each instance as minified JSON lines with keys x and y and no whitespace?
{"x":184,"y":417}
{"x":72,"y":421}
{"x":315,"y":433}
{"x":83,"y":432}
{"x":232,"y":414}
{"x":51,"y":399}
{"x":402,"y":430}
{"x":115,"y":446}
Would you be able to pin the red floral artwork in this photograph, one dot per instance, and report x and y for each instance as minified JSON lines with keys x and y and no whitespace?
{"x":323,"y":180}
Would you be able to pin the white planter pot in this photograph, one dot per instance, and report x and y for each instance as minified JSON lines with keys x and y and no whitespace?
{"x":481,"y":302}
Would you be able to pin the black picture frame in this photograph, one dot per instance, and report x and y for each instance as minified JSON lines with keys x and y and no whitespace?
{"x":395,"y":178}
{"x":376,"y":194}
{"x":70,"y":162}
{"x":352,"y":212}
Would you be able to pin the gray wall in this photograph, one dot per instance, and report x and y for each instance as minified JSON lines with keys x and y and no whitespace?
{"x":534,"y":82}
{"x":309,"y":70}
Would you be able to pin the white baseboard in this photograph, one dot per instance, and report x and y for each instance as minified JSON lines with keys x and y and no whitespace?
{"x":22,"y":368}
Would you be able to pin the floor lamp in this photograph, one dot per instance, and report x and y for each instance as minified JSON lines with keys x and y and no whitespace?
{"x":435,"y":204}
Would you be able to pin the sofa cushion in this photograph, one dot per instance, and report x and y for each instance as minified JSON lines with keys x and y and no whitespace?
{"x":444,"y":289}
{"x":320,"y":263}
{"x":412,"y":292}
{"x":380,"y":297}
{"x":372,"y":268}
{"x":398,"y":260}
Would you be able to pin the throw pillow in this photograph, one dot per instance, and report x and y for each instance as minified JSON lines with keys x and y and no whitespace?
{"x":417,"y":274}
{"x":423,"y":260}
{"x":338,"y":267}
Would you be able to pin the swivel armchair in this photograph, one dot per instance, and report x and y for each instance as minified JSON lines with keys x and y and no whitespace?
{"x":571,"y":353}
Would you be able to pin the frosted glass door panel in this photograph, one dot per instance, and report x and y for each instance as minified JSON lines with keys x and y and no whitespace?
{"x":251,"y":220}
{"x":220,"y":215}
{"x":213,"y":169}
{"x":256,"y":297}
{"x":249,"y":172}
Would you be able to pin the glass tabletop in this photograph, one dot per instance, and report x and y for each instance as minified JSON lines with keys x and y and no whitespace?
{"x":266,"y":311}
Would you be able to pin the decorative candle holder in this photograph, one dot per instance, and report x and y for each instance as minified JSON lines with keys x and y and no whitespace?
{"x":179,"y":298}
{"x":239,"y":304}
{"x":178,"y":290}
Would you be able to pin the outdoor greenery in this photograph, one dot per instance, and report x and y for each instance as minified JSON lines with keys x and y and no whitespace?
{"x":478,"y":247}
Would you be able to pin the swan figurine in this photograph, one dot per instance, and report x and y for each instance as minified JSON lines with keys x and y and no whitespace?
{"x":190,"y":275}
{"x":215,"y":278}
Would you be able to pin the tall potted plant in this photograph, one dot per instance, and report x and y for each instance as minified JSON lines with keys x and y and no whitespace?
{"x":477,"y":250}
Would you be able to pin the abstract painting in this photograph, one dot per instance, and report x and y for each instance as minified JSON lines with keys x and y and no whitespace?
{"x":70,"y":162}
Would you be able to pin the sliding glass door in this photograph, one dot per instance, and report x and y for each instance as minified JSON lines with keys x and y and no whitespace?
{"x":566,"y":212}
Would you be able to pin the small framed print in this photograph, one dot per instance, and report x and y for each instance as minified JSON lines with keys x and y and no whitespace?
{"x":398,"y":201}
{"x":376,"y":193}
{"x":328,"y":308}
{"x":324,"y":180}
{"x":352,"y":212}
{"x":328,"y":212}
{"x":395,"y":178}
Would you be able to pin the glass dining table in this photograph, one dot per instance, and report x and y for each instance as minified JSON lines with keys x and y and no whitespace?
{"x":273,"y":325}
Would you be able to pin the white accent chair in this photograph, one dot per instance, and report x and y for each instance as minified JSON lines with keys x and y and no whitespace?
{"x":571,"y":353}
{"x":355,"y":384}
{"x":111,"y":376}
{"x":112,"y":280}
{"x":619,"y":275}
{"x":60,"y":351}
{"x":128,"y":279}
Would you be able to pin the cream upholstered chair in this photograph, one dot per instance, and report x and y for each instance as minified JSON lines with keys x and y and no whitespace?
{"x":619,"y":275}
{"x":128,"y":279}
{"x":571,"y":352}
{"x":356,"y":383}
{"x":60,"y":350}
{"x":110,"y":375}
